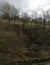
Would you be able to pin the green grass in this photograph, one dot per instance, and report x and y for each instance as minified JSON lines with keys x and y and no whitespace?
{"x":28,"y":24}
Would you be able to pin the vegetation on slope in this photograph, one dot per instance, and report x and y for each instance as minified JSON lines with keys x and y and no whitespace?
{"x":17,"y":43}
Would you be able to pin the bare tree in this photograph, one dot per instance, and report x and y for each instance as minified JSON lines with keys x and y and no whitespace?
{"x":14,"y":13}
{"x":6,"y":8}
{"x":44,"y":13}
{"x":48,"y":14}
{"x":9,"y":12}
{"x":34,"y":18}
{"x":25,"y":19}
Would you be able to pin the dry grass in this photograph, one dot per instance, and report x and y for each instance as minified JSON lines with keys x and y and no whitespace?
{"x":15,"y":44}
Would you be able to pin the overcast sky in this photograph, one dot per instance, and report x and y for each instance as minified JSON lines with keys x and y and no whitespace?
{"x":29,"y":5}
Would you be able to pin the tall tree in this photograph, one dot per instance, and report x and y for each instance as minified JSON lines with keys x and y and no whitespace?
{"x":34,"y":17}
{"x":9,"y":12}
{"x":25,"y":19}
{"x":14,"y":13}
{"x":48,"y":14}
{"x":6,"y":8}
{"x":44,"y":13}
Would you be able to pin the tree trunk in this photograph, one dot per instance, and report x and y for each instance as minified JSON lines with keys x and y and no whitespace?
{"x":44,"y":24}
{"x":31,"y":24}
{"x":14,"y":21}
{"x":9,"y":21}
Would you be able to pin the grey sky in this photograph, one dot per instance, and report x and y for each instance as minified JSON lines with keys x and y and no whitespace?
{"x":29,"y":5}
